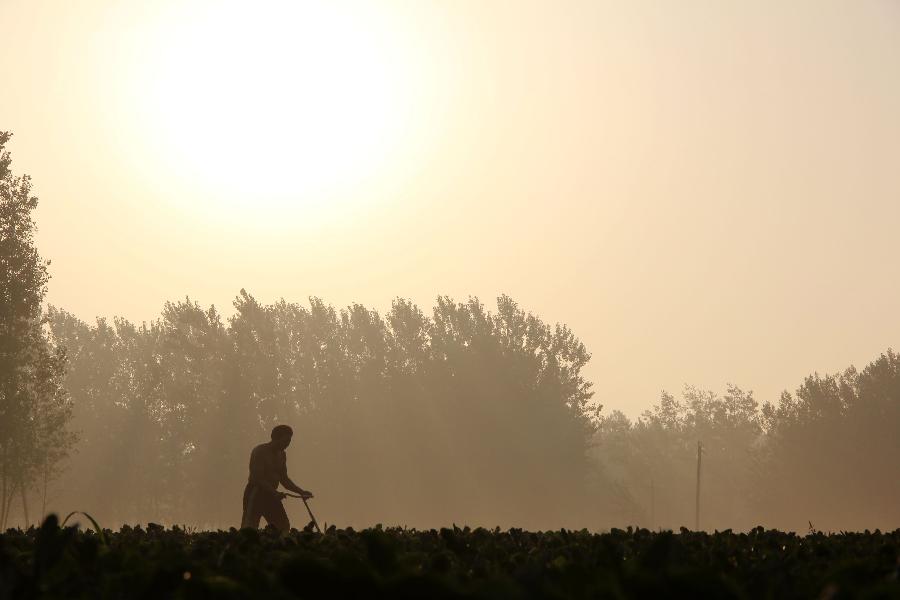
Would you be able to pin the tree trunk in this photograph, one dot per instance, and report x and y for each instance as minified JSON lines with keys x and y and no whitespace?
{"x":24,"y":504}
{"x":44,"y":493}
{"x":8,"y":504}
{"x":3,"y":496}
{"x":697,"y":513}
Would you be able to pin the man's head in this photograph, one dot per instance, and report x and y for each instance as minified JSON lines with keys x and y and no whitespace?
{"x":281,"y":436}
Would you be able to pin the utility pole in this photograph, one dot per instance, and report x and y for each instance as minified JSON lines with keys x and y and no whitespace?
{"x":652,"y":506}
{"x":697,"y":513}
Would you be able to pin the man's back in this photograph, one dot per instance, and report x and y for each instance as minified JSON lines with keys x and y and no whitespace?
{"x":268,"y":466}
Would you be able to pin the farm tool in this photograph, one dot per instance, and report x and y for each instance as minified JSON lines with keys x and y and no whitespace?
{"x":311,"y":516}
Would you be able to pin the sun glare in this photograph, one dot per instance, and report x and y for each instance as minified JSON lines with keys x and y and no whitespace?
{"x":275,"y":104}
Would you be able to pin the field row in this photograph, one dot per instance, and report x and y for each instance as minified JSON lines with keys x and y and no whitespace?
{"x":54,"y":562}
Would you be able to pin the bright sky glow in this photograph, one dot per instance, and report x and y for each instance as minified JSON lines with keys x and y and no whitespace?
{"x":704,"y":191}
{"x":295,"y":101}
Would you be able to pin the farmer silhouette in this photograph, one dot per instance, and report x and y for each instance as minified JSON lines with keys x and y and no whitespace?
{"x":268,"y":468}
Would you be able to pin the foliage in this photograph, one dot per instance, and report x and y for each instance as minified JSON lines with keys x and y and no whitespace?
{"x":402,"y":418}
{"x":826,"y":454}
{"x":54,"y":562}
{"x":655,"y":458}
{"x":465,"y":415}
{"x":833,"y":446}
{"x":34,"y":407}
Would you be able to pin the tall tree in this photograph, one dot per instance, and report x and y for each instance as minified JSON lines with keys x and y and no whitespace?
{"x":34,"y":408}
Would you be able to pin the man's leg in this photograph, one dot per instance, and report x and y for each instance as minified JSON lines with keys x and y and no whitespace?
{"x":275,"y":514}
{"x":252,"y":512}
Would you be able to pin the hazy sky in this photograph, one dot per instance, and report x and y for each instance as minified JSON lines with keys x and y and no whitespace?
{"x":704,"y":191}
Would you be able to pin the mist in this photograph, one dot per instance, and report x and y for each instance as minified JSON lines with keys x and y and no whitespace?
{"x":458,"y":414}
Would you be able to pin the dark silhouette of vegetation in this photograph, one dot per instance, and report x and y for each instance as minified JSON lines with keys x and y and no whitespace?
{"x":54,"y":562}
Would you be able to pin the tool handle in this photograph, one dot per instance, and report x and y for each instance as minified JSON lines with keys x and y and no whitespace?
{"x":312,"y":518}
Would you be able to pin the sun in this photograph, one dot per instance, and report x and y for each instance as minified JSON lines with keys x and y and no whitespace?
{"x":275,"y":104}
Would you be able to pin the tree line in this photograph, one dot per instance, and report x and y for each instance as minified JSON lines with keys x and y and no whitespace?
{"x":462,"y":414}
{"x":823,"y":457}
{"x":401,"y":418}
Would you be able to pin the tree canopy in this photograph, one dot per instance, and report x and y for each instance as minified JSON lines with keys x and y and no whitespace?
{"x":34,"y":407}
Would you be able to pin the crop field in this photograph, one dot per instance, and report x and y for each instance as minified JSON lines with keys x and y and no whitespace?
{"x":155,"y":562}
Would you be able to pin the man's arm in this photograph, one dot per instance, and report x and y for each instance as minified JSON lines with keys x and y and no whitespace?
{"x":290,"y":485}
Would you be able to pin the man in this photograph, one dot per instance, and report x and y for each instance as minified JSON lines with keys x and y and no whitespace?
{"x":268,"y":468}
